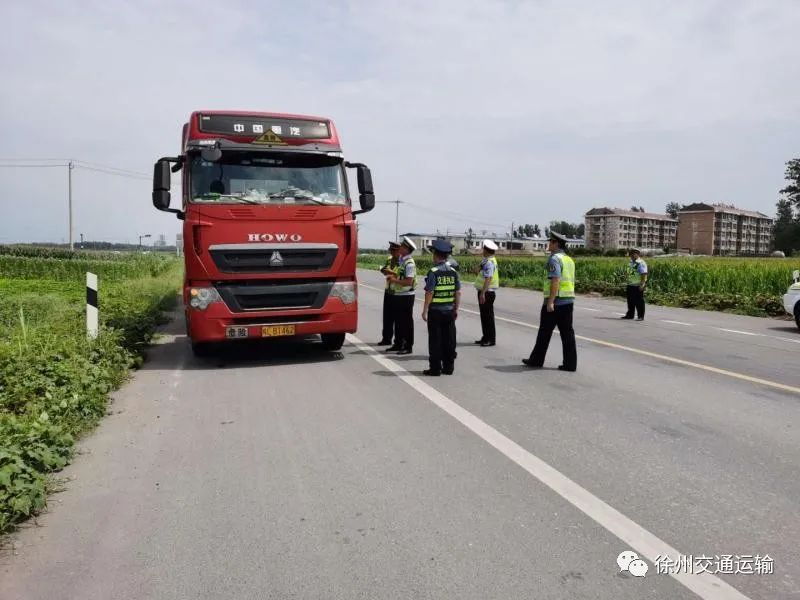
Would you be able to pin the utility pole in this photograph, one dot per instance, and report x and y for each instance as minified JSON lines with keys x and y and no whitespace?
{"x":397,"y":204}
{"x":70,"y":166}
{"x":396,"y":219}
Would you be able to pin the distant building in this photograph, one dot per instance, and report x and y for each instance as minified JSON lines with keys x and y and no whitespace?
{"x":718,"y":229}
{"x":615,"y":229}
{"x":506,"y":244}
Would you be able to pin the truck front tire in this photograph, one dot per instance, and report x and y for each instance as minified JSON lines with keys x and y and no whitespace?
{"x":797,"y":314}
{"x":332,"y":341}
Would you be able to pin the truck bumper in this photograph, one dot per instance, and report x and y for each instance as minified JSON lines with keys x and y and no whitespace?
{"x":212,"y":324}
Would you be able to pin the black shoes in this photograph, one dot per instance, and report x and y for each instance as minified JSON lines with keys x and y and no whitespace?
{"x":640,"y":319}
{"x":486,"y":344}
{"x":563,"y":368}
{"x":404,"y":351}
{"x":479,"y":342}
{"x":385,"y":343}
{"x":626,"y":317}
{"x":447,"y":371}
{"x":394,"y":349}
{"x":431,"y":373}
{"x":529,"y":363}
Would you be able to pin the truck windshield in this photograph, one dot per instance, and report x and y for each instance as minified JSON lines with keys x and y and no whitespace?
{"x":242,"y":178}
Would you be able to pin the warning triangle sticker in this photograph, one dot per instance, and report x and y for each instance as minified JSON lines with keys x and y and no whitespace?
{"x":270,"y":137}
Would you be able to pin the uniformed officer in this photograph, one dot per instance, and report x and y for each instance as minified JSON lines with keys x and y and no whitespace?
{"x":442,"y":297}
{"x":487,"y":283}
{"x":637,"y":282}
{"x":559,"y":298}
{"x":404,"y":283}
{"x":389,"y":321}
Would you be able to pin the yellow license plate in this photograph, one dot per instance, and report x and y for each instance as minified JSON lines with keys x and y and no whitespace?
{"x":277,"y":330}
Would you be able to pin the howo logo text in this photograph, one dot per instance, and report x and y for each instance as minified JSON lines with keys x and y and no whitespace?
{"x":274,"y":237}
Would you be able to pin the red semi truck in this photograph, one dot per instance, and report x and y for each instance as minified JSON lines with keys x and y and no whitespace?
{"x":268,"y":227}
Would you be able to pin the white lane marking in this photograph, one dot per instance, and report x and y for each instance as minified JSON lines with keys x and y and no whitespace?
{"x":788,"y":340}
{"x":705,"y":585}
{"x":676,"y":322}
{"x":591,"y":309}
{"x":737,"y":331}
{"x":664,"y":357}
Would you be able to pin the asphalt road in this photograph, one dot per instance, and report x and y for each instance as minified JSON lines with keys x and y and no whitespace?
{"x":280,"y":471}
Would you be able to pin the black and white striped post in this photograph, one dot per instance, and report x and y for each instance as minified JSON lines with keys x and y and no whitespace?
{"x":92,"y":323}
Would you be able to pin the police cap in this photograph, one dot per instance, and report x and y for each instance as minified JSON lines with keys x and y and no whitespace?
{"x":393,"y":245}
{"x":442,"y":247}
{"x":490,"y":245}
{"x":408,"y":243}
{"x":557,"y":237}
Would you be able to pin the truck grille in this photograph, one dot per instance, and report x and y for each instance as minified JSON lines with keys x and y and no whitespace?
{"x":273,"y":258}
{"x":275,"y":296}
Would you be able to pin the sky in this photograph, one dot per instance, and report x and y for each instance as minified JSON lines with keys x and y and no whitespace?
{"x":473,"y":114}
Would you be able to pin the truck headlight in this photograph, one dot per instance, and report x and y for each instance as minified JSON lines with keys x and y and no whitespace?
{"x":201,"y":297}
{"x":345,"y":291}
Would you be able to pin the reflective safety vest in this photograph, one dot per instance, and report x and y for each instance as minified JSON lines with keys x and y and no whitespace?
{"x":566,"y":284}
{"x":495,"y":281}
{"x":634,"y":277}
{"x":387,"y":266}
{"x":444,"y":292}
{"x":401,"y":270}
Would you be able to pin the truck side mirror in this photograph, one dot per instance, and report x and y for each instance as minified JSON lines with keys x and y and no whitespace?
{"x":366,"y":194}
{"x":161,"y":185}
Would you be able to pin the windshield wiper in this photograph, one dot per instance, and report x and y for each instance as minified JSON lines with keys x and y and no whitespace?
{"x":297,"y":194}
{"x":244,"y":199}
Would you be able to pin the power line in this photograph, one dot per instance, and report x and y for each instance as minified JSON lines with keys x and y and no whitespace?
{"x":33,"y":166}
{"x":139,"y":177}
{"x":455,"y":215}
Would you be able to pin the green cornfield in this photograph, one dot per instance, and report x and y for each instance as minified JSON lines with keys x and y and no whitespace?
{"x":751,"y":286}
{"x":54,"y":382}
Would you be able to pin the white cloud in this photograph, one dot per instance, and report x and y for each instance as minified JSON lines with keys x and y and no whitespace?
{"x":505,"y":111}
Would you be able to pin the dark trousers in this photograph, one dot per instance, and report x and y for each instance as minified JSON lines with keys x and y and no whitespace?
{"x":487,"y":318}
{"x":404,"y":313}
{"x":441,"y":340}
{"x":561,"y":317}
{"x":635,"y":301}
{"x":389,"y":319}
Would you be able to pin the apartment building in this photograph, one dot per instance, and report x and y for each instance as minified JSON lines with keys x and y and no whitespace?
{"x":614,"y":229}
{"x":719,"y":229}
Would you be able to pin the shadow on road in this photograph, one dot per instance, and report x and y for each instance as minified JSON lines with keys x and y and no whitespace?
{"x":243,"y":354}
{"x":786,"y":329}
{"x":517,"y":368}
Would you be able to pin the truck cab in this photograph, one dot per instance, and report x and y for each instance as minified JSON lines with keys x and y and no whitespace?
{"x":270,"y":238}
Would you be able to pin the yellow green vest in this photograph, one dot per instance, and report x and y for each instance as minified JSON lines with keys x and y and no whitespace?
{"x":387,"y":266}
{"x":444,"y":292}
{"x":495,"y":282}
{"x":400,"y":270}
{"x":566,"y":284}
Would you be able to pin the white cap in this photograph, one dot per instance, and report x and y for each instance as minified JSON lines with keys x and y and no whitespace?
{"x":490,"y":245}
{"x":407,"y":242}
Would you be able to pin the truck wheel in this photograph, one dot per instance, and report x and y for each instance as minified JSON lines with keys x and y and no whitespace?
{"x":797,"y":314}
{"x":201,"y":350}
{"x":332,"y":341}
